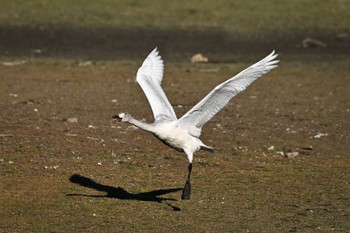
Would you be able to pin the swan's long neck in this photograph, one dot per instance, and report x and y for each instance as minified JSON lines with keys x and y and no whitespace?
{"x":142,"y":125}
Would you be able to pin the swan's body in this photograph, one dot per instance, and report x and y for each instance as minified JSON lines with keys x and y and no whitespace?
{"x":183,"y":134}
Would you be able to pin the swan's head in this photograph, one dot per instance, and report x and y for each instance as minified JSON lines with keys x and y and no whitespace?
{"x":122,"y":117}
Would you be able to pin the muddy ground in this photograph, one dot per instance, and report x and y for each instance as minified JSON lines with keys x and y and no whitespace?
{"x":282,"y":146}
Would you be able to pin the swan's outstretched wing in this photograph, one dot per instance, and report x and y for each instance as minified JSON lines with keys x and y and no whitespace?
{"x":218,"y":98}
{"x":150,"y":76}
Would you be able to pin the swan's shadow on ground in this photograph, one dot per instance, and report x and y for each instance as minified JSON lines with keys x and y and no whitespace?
{"x":120,"y":193}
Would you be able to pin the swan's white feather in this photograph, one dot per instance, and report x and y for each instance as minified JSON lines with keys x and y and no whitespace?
{"x":202,"y":112}
{"x":149,"y":76}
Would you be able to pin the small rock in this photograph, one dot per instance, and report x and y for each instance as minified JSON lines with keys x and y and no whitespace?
{"x":92,"y":127}
{"x":85,"y":63}
{"x":14,"y":63}
{"x":72,"y":120}
{"x":13,"y":95}
{"x":52,"y":167}
{"x":290,"y":155}
{"x":199,"y":58}
{"x":310,"y":42}
{"x":271,"y":148}
{"x":320,"y":135}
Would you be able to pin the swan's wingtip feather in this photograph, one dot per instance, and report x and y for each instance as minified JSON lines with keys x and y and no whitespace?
{"x":270,"y":58}
{"x":274,"y":54}
{"x":273,"y":62}
{"x":155,"y":51}
{"x":273,"y":67}
{"x":155,"y":54}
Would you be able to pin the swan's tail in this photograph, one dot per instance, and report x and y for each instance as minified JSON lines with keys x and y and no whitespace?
{"x":207,"y":148}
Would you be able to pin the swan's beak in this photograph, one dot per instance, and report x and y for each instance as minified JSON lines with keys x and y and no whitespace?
{"x":119,"y":117}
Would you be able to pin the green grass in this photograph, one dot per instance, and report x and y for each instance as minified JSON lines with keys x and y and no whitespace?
{"x":238,"y":15}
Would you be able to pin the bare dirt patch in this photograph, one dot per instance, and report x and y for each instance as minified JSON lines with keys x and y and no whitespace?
{"x":271,"y":172}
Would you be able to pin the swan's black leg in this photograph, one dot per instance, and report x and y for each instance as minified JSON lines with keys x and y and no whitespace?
{"x":186,"y":192}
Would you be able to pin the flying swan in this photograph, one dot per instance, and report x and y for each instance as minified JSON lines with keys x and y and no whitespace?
{"x":183,"y":134}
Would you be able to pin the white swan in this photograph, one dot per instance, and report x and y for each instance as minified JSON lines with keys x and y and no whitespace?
{"x":183,"y":134}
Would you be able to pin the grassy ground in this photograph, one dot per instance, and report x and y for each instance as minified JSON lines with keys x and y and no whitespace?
{"x":238,"y":15}
{"x":94,"y":175}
